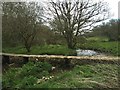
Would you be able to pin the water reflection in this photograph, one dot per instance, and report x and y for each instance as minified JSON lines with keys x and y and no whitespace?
{"x":81,"y":52}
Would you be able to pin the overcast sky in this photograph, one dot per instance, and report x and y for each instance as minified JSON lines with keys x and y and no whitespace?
{"x":113,"y":4}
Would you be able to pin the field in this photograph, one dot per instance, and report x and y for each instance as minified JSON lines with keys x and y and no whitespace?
{"x":40,"y":75}
{"x":102,"y":45}
{"x":47,"y":49}
{"x":110,"y":48}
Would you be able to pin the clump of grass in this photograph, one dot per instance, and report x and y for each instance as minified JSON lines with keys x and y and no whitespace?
{"x":85,"y":76}
{"x":27,"y":76}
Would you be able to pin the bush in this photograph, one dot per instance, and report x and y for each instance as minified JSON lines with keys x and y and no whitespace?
{"x":27,"y":82}
{"x":9,"y":78}
{"x":38,"y":69}
{"x":26,"y":76}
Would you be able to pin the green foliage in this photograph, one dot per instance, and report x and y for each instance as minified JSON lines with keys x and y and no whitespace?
{"x":33,"y":69}
{"x":98,"y":39}
{"x":107,"y":47}
{"x":20,"y":23}
{"x":84,"y":76}
{"x":85,"y":71}
{"x":9,"y":78}
{"x":81,"y":76}
{"x":46,"y":49}
{"x":17,"y":50}
{"x":26,"y":82}
{"x":108,"y":29}
{"x":81,"y":39}
{"x":26,"y":76}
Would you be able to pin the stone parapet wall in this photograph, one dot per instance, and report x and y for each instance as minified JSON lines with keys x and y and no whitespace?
{"x":59,"y":59}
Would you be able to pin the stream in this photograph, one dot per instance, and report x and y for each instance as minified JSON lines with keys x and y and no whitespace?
{"x":81,"y":52}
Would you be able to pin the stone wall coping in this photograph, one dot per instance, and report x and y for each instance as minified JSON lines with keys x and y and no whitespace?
{"x":106,"y":58}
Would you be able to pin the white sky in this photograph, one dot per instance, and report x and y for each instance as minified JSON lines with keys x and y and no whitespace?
{"x":113,"y":4}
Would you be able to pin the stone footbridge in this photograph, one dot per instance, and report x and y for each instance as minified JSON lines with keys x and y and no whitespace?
{"x":59,"y":59}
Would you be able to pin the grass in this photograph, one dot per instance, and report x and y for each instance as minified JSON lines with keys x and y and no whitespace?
{"x":101,"y":44}
{"x":98,"y":39}
{"x":85,"y":76}
{"x":26,"y":76}
{"x":81,"y":76}
{"x":47,"y":49}
{"x":95,"y":43}
{"x":17,"y":50}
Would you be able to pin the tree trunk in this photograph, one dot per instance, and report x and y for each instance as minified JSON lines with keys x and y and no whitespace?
{"x":70,"y":43}
{"x":28,"y":50}
{"x":28,"y":47}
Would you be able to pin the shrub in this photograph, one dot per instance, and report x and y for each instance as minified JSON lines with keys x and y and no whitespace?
{"x":27,"y":82}
{"x":26,"y":76}
{"x":9,"y":78}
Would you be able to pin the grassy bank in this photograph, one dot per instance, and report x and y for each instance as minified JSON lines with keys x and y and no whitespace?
{"x":101,"y":44}
{"x":107,"y":47}
{"x":39,"y":75}
{"x":85,"y":76}
{"x":46,"y":49}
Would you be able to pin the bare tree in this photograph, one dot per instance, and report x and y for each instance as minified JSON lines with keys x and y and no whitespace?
{"x":23,"y":19}
{"x":29,"y":17}
{"x":76,"y":17}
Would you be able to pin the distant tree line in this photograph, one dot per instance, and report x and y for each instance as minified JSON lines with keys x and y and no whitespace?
{"x":110,"y":30}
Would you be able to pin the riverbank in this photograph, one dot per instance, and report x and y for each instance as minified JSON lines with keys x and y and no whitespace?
{"x":41,"y":50}
{"x":107,"y":48}
{"x":110,"y":48}
{"x":81,"y":76}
